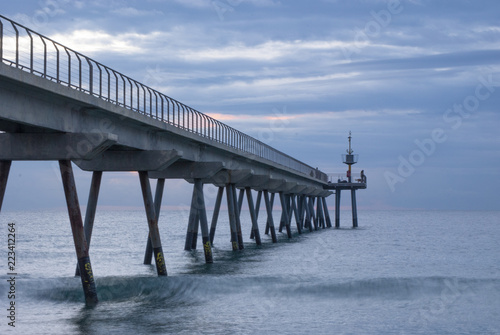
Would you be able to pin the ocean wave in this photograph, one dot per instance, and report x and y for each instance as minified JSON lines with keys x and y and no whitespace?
{"x":189,"y":289}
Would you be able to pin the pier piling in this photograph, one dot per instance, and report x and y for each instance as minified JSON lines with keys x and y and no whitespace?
{"x":154,"y":233}
{"x":4,"y":176}
{"x":81,"y":247}
{"x":91,"y":209}
{"x":202,"y":215}
{"x":354,"y":209}
{"x":215,"y":215}
{"x":232,"y":217}
{"x":337,"y":208}
{"x":160,"y":186}
{"x":270,"y":220}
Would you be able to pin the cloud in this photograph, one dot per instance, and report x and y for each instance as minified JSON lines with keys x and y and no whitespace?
{"x":134,"y":12}
{"x":278,"y":71}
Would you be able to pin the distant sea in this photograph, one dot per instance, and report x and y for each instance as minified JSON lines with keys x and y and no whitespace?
{"x":400,"y":272}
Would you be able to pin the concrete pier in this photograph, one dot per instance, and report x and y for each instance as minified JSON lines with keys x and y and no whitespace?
{"x":79,"y":111}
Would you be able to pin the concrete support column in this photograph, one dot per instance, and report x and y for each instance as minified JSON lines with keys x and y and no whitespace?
{"x":311,"y":211}
{"x":257,"y":210}
{"x":237,"y":207}
{"x":337,"y":209}
{"x":202,"y":214}
{"x":296,"y":214}
{"x":154,"y":233}
{"x":4,"y":176}
{"x":354,"y":209}
{"x":271,"y":206}
{"x":284,"y":215}
{"x":327,"y":214}
{"x":192,"y":223}
{"x":270,"y":220}
{"x":253,"y":216}
{"x":307,"y":211}
{"x":215,"y":216}
{"x":160,"y":186}
{"x":320,"y":214}
{"x":232,"y":216}
{"x":81,"y":247}
{"x":88,"y":225}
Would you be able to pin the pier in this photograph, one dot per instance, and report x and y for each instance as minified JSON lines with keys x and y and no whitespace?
{"x":60,"y":105}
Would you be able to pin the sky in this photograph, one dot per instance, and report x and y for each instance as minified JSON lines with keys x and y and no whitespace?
{"x":416,"y":81}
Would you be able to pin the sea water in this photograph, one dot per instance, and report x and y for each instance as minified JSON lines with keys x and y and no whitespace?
{"x":400,"y":272}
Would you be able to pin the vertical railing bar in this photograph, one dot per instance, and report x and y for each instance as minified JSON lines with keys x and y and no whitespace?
{"x":17,"y":44}
{"x":79,"y":71}
{"x":91,"y":76}
{"x":168,"y":108}
{"x":31,"y":51}
{"x":57,"y":62}
{"x":178,"y":113}
{"x":109,"y":83}
{"x":162,"y":107}
{"x":124,"y":90}
{"x":1,"y":40}
{"x":183,"y":115}
{"x":117,"y":88}
{"x":144,"y":98}
{"x":100,"y":80}
{"x":151,"y":93}
{"x":131,"y":93}
{"x":69,"y":66}
{"x":44,"y":56}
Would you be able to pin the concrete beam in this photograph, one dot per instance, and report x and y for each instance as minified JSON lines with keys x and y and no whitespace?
{"x":298,"y":189}
{"x":189,"y":170}
{"x":54,"y":146}
{"x":131,"y":161}
{"x":288,"y":187}
{"x":231,"y":177}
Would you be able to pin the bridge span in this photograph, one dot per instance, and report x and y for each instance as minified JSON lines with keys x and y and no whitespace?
{"x":56,"y":104}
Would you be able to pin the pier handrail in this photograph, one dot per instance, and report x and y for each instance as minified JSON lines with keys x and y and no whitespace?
{"x":342,"y":177}
{"x":25,"y":49}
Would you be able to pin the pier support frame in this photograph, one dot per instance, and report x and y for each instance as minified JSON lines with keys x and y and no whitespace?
{"x":354,"y":209}
{"x":327,"y":214}
{"x":314,"y":219}
{"x":160,"y":186}
{"x":81,"y":247}
{"x":91,"y":209}
{"x":232,"y":216}
{"x":285,"y":219}
{"x":202,"y":215}
{"x":319,"y":213}
{"x":4,"y":177}
{"x":337,"y":208}
{"x":257,"y":210}
{"x":295,"y":212}
{"x":215,"y":215}
{"x":270,"y":221}
{"x":253,"y":216}
{"x":307,"y":211}
{"x":237,"y":206}
{"x":154,"y":233}
{"x":193,"y":222}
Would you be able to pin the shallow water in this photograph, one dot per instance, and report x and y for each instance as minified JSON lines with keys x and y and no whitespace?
{"x":401,"y":272}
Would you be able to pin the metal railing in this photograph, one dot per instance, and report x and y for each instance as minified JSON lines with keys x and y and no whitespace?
{"x":32,"y":52}
{"x":341,"y":177}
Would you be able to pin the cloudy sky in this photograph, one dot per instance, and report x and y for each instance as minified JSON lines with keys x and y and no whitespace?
{"x":416,"y":81}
